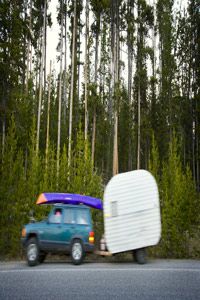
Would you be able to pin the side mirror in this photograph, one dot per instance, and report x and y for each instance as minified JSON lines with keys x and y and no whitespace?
{"x":31,"y":216}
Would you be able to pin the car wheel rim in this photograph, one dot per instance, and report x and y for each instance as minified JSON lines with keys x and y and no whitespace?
{"x":32,"y":252}
{"x":77,"y":251}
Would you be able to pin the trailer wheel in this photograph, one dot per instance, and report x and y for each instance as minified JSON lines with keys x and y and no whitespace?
{"x":140,"y":256}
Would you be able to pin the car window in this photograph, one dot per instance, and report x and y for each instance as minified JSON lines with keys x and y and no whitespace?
{"x":69,"y":216}
{"x":82,"y":216}
{"x":56,"y":217}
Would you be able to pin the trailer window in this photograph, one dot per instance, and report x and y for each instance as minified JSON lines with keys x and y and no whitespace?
{"x":114,"y":210}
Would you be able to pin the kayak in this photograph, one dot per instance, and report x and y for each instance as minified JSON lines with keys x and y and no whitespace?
{"x":65,"y":198}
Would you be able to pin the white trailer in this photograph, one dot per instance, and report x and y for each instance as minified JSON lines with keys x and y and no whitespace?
{"x":132,"y":213}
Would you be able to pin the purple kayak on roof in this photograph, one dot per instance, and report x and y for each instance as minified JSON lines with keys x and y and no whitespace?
{"x":65,"y":198}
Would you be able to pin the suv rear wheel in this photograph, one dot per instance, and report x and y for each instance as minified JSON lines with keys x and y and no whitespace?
{"x":77,"y":252}
{"x":32,"y":252}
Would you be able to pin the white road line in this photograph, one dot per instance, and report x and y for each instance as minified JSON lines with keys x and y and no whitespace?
{"x":100,"y":270}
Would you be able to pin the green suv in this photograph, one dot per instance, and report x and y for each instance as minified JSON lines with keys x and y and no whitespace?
{"x":67,"y":230}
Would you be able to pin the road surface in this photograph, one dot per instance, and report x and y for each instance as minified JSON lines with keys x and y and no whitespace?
{"x":159,"y":279}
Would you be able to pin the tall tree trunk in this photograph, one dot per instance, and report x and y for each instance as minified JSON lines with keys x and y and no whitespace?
{"x":65,"y":67}
{"x":130,"y":47}
{"x":72,"y":85}
{"x":41,"y":78}
{"x":130,"y":37}
{"x":45,"y":52}
{"x":60,"y":93}
{"x":154,"y":42}
{"x":115,"y":147}
{"x":116,"y":84}
{"x":197,"y":142}
{"x":139,"y":121}
{"x":93,"y":135}
{"x":29,"y":56}
{"x":95,"y":79}
{"x":86,"y":66}
{"x":48,"y":117}
{"x":139,"y":69}
{"x":3,"y":133}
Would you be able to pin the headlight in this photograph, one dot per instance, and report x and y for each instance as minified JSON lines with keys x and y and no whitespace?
{"x":24,"y":232}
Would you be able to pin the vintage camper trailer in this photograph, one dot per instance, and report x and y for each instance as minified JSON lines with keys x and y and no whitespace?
{"x":132,"y":213}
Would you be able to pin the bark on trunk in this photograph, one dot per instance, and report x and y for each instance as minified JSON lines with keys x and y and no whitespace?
{"x":116,"y":83}
{"x":138,"y":148}
{"x":72,"y":87}
{"x":86,"y":67}
{"x":48,"y":117}
{"x":29,"y":54}
{"x":41,"y":80}
{"x":60,"y":94}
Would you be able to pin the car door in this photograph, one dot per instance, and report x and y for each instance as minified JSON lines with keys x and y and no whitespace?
{"x":51,"y":237}
{"x":69,"y":226}
{"x":83,"y":223}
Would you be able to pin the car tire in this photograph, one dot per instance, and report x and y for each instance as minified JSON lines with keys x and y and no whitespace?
{"x":140,"y":256}
{"x":32,"y":252}
{"x":77,"y":252}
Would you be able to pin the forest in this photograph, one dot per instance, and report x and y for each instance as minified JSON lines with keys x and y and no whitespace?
{"x":125,"y":95}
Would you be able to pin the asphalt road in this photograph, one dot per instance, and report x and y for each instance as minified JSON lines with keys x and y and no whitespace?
{"x":159,"y":279}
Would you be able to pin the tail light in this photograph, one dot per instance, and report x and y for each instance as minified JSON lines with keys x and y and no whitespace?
{"x":91,"y":237}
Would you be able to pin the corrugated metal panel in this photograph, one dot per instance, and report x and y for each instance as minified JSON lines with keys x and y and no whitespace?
{"x":131,"y":211}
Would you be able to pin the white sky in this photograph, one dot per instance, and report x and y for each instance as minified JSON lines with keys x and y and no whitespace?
{"x":53,"y":32}
{"x":52,"y":36}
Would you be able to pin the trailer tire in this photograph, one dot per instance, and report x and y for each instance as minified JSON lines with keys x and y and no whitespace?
{"x":140,"y":256}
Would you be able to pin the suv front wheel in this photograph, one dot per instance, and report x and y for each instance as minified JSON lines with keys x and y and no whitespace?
{"x":77,"y":252}
{"x":32,"y":252}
